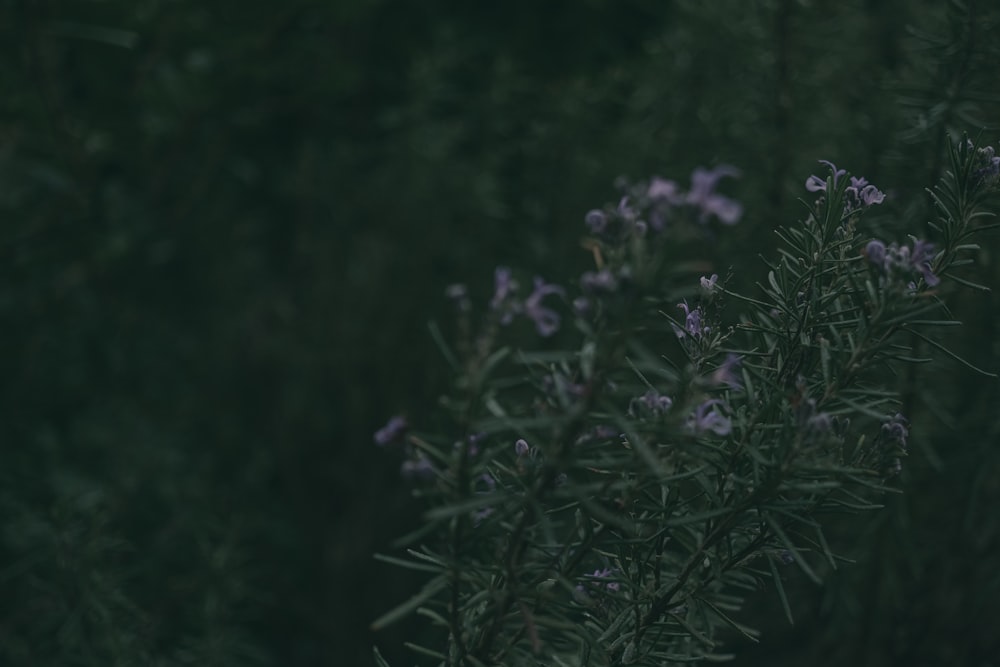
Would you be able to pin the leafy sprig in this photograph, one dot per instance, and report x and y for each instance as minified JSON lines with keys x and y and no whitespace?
{"x":611,"y":500}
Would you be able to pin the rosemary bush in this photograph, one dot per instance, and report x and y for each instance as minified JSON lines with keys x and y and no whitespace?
{"x":622,"y":461}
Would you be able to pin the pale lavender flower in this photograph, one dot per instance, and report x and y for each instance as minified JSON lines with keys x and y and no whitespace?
{"x":871,"y":195}
{"x":521,"y":447}
{"x":393,"y":431}
{"x":703,"y":195}
{"x":875,"y":252}
{"x":460,"y":295}
{"x":504,"y":288}
{"x":816,"y":184}
{"x":989,"y":169}
{"x":599,"y":281}
{"x":709,"y":284}
{"x":728,"y":372}
{"x":625,"y":211}
{"x":596,"y":220}
{"x":417,"y":468}
{"x":581,"y":305}
{"x":861,"y":194}
{"x":652,"y":401}
{"x":921,"y":258}
{"x":692,"y":321}
{"x":706,"y":417}
{"x":662,"y":189}
{"x":546,"y":320}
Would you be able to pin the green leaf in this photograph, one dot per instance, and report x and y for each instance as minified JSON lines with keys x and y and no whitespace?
{"x":432,"y":588}
{"x":776,"y":577}
{"x":967,"y":283}
{"x":442,"y":345}
{"x":799,"y":560}
{"x":463,"y":507}
{"x":743,"y":630}
{"x":407,"y":564}
{"x":938,"y":346}
{"x":379,"y":660}
{"x":416,"y":648}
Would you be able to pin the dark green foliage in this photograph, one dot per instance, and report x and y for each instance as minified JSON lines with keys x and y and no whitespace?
{"x":226,"y":224}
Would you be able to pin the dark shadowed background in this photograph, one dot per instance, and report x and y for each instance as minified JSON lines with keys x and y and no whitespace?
{"x":224,"y":227}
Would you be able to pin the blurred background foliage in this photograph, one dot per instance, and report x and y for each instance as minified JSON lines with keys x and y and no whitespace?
{"x":226,"y":225}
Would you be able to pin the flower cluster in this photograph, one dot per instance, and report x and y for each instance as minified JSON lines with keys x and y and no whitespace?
{"x":669,"y":465}
{"x":708,"y":417}
{"x":905,"y":261}
{"x":653,"y":205}
{"x":895,"y":432}
{"x":987,"y":166}
{"x":507,"y":306}
{"x":858,"y":195}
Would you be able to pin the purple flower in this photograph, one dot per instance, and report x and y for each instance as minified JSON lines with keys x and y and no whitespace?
{"x":703,"y":195}
{"x":624,"y":211}
{"x":709,"y":284}
{"x":392,"y":432}
{"x":652,"y":401}
{"x":596,"y":220}
{"x":726,"y":373}
{"x":817,"y":184}
{"x":921,"y":258}
{"x":904,"y":260}
{"x":812,"y":422}
{"x":504,"y":288}
{"x":546,"y":320}
{"x":871,"y":195}
{"x":521,"y":447}
{"x":896,"y":430}
{"x":989,"y":165}
{"x":598,"y":577}
{"x":598,"y":281}
{"x":418,"y":468}
{"x":485,"y":483}
{"x":581,"y":305}
{"x":875,"y":252}
{"x":860,"y":194}
{"x":661,"y":189}
{"x":460,"y":295}
{"x":692,"y":321}
{"x":706,"y":417}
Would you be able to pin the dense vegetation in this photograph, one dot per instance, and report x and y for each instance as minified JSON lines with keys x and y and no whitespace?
{"x":227,"y":224}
